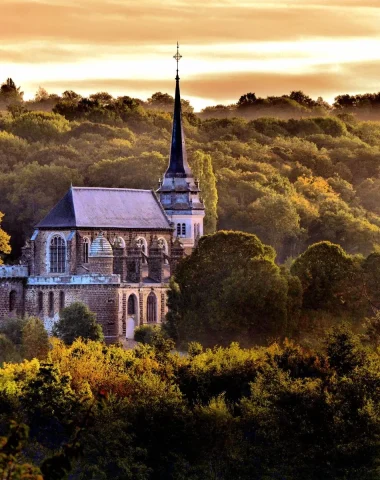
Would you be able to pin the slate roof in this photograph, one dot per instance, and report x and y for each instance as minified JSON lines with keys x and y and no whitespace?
{"x":87,"y":207}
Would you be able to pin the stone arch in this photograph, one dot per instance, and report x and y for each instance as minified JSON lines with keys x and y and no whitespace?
{"x":132,"y":316}
{"x":141,"y":242}
{"x":119,"y":242}
{"x":164,"y":245}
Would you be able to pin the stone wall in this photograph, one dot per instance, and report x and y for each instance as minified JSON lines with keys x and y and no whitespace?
{"x":101,"y":299}
{"x":11,"y":307}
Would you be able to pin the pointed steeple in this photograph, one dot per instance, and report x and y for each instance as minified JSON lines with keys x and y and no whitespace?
{"x":179,"y":191}
{"x":178,"y":165}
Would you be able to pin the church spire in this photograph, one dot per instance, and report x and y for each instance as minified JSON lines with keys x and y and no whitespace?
{"x":178,"y":166}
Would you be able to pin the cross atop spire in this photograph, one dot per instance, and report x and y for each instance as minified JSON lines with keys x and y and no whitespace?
{"x":177,"y":57}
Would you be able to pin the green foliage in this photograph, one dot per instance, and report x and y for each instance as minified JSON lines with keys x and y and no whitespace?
{"x":372,"y":330}
{"x":325,"y":271}
{"x":35,"y":340}
{"x":344,"y":351}
{"x":37,"y":126}
{"x":276,"y":412}
{"x":203,"y":170}
{"x":76,"y":321}
{"x":12,"y":328}
{"x":8,"y":350}
{"x":229,"y":288}
{"x":322,"y":162}
{"x":10,"y":454}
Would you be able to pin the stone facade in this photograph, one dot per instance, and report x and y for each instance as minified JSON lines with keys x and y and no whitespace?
{"x":115,"y":287}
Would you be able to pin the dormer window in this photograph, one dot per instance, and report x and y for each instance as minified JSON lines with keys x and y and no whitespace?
{"x":57,"y":254}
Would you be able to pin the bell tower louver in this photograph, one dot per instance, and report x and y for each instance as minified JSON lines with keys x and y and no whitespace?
{"x":179,"y":192}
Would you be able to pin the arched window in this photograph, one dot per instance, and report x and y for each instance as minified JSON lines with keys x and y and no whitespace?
{"x":131,"y":305}
{"x":141,"y":242}
{"x":61,"y":300}
{"x":12,"y":301}
{"x":40,"y":301}
{"x":51,"y":304}
{"x":151,"y":308}
{"x":119,"y":242}
{"x":184,"y":229}
{"x":178,"y":229}
{"x":57,"y":254}
{"x":86,"y":248}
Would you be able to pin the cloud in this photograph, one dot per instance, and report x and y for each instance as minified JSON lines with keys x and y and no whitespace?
{"x":149,"y":22}
{"x":323,"y":81}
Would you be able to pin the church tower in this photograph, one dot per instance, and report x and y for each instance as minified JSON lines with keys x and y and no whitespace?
{"x":179,"y":191}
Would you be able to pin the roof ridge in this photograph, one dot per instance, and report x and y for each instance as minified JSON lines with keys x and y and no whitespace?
{"x":113,"y":188}
{"x":73,"y":203}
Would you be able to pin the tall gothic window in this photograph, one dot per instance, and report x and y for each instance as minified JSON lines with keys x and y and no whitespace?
{"x":184,"y":229}
{"x":40,"y":301}
{"x":131,"y":305}
{"x":151,"y":308}
{"x":86,"y":246}
{"x":51,"y":304}
{"x":178,"y":229}
{"x":12,"y":301}
{"x":57,"y":254}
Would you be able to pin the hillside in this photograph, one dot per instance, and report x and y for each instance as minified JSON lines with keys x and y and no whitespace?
{"x":292,"y":182}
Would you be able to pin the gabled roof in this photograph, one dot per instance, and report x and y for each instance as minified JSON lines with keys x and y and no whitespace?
{"x":107,"y":208}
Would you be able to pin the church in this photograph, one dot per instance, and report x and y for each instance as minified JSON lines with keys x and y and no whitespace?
{"x":113,"y":249}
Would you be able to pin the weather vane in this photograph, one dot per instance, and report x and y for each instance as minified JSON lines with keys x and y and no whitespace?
{"x":177,"y":57}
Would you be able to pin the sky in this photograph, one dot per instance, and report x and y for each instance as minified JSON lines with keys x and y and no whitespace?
{"x":323,"y":47}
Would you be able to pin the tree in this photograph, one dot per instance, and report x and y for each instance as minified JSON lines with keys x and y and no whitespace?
{"x":9,"y":93}
{"x":11,"y":466}
{"x":203,"y":170}
{"x":372,"y":330}
{"x":344,"y":351}
{"x":37,"y":126}
{"x":12,"y":328}
{"x":275,"y":219}
{"x":41,"y":95}
{"x":247,"y":100}
{"x":328,"y":276}
{"x":228,"y":289}
{"x":35,"y":340}
{"x":8,"y":351}
{"x":75,"y":321}
{"x":4,"y":241}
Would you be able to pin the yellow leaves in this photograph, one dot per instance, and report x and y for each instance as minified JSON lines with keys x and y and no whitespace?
{"x":4,"y":241}
{"x":314,"y":188}
{"x":14,"y":375}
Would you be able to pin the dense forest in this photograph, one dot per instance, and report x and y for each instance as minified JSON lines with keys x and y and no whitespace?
{"x":309,"y":173}
{"x":94,"y":412}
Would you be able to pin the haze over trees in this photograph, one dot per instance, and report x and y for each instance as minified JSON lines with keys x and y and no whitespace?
{"x":293,"y":180}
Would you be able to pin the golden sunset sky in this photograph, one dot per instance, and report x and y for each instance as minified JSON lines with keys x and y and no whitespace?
{"x":323,"y":47}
